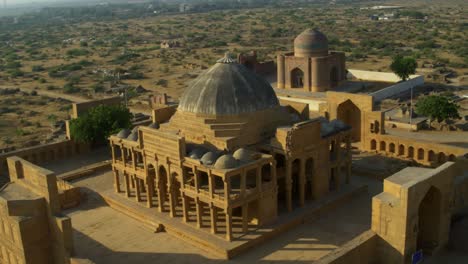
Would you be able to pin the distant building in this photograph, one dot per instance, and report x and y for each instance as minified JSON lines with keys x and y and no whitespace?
{"x":166,"y":44}
{"x":185,"y":8}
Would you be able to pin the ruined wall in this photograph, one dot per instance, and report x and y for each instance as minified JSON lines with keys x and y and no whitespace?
{"x":30,"y":214}
{"x":81,"y":108}
{"x":163,"y":114}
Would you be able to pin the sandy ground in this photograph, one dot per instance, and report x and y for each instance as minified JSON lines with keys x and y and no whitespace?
{"x":107,"y":236}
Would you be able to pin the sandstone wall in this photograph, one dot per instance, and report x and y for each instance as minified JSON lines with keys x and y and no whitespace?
{"x":45,"y":153}
{"x":361,"y":249}
{"x":81,"y":108}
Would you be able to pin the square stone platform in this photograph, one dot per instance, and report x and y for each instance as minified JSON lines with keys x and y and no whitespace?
{"x":216,"y":245}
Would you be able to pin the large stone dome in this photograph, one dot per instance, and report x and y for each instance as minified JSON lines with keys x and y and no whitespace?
{"x":228,"y":89}
{"x":311,"y":43}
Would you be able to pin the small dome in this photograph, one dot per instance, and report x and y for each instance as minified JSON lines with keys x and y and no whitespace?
{"x":209,"y":158}
{"x":123,"y":133}
{"x":197,"y":153}
{"x":226,"y":89}
{"x":133,"y":136}
{"x":154,"y":125}
{"x":311,"y":43}
{"x":243,"y":154}
{"x":226,"y":161}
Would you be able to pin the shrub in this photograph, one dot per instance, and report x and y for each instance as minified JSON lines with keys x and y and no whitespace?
{"x":99,"y":123}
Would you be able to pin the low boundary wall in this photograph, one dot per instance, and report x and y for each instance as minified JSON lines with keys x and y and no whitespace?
{"x":362,"y":249}
{"x":397,"y":88}
{"x":45,"y":153}
{"x":423,"y":152}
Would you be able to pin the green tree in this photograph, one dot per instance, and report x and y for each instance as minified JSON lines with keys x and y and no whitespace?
{"x":99,"y":123}
{"x":437,"y":108}
{"x":403,"y":66}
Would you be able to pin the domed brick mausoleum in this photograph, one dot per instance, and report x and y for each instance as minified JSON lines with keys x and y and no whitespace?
{"x":311,"y":67}
{"x":231,"y":149}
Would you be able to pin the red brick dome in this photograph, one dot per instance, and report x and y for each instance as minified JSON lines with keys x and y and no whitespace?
{"x":311,"y":43}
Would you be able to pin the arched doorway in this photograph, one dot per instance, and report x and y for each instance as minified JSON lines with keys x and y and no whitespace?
{"x":162,"y":185}
{"x":176,"y":190}
{"x":333,"y":76}
{"x":373,"y":144}
{"x":295,"y":170}
{"x":401,"y":150}
{"x":151,"y":183}
{"x":429,"y":221}
{"x":411,"y":152}
{"x":383,"y":146}
{"x":297,"y":78}
{"x":350,"y":114}
{"x":442,"y":157}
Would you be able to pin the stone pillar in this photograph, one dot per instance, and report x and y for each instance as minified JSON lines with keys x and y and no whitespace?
{"x":302,"y":181}
{"x":243,"y":183}
{"x":185,"y":208}
{"x":127,"y":184}
{"x":273,"y":172}
{"x":348,"y":172}
{"x":228,"y":224}
{"x":137,"y":189}
{"x":149,"y":192}
{"x":116,"y":181}
{"x":124,"y":157}
{"x":133,"y":160}
{"x":171,"y":198}
{"x":113,"y":152}
{"x":227,"y":188}
{"x":259,"y":179}
{"x":211,"y":186}
{"x":161,"y":195}
{"x":289,"y":185}
{"x":199,"y":210}
{"x":245,"y":219}
{"x":214,"y":219}
{"x":280,"y":72}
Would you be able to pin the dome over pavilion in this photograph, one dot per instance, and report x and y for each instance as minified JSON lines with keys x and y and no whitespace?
{"x":311,"y":43}
{"x":228,"y":89}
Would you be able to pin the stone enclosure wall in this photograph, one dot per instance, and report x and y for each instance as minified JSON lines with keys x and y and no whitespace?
{"x":45,"y":153}
{"x":397,"y":88}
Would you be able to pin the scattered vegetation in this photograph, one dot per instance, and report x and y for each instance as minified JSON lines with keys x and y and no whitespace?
{"x":438,"y":108}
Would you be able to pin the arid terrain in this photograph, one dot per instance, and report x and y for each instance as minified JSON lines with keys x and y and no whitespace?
{"x":87,"y":57}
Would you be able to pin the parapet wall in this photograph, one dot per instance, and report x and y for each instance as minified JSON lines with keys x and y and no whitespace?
{"x":362,"y":250}
{"x":397,"y":88}
{"x":45,"y":153}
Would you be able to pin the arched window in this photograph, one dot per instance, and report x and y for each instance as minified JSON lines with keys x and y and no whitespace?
{"x":383,"y":146}
{"x":373,"y":144}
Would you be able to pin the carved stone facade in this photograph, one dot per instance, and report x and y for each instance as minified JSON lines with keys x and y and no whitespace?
{"x":250,"y":165}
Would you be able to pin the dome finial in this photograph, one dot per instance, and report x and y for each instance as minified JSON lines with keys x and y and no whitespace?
{"x":227,"y":58}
